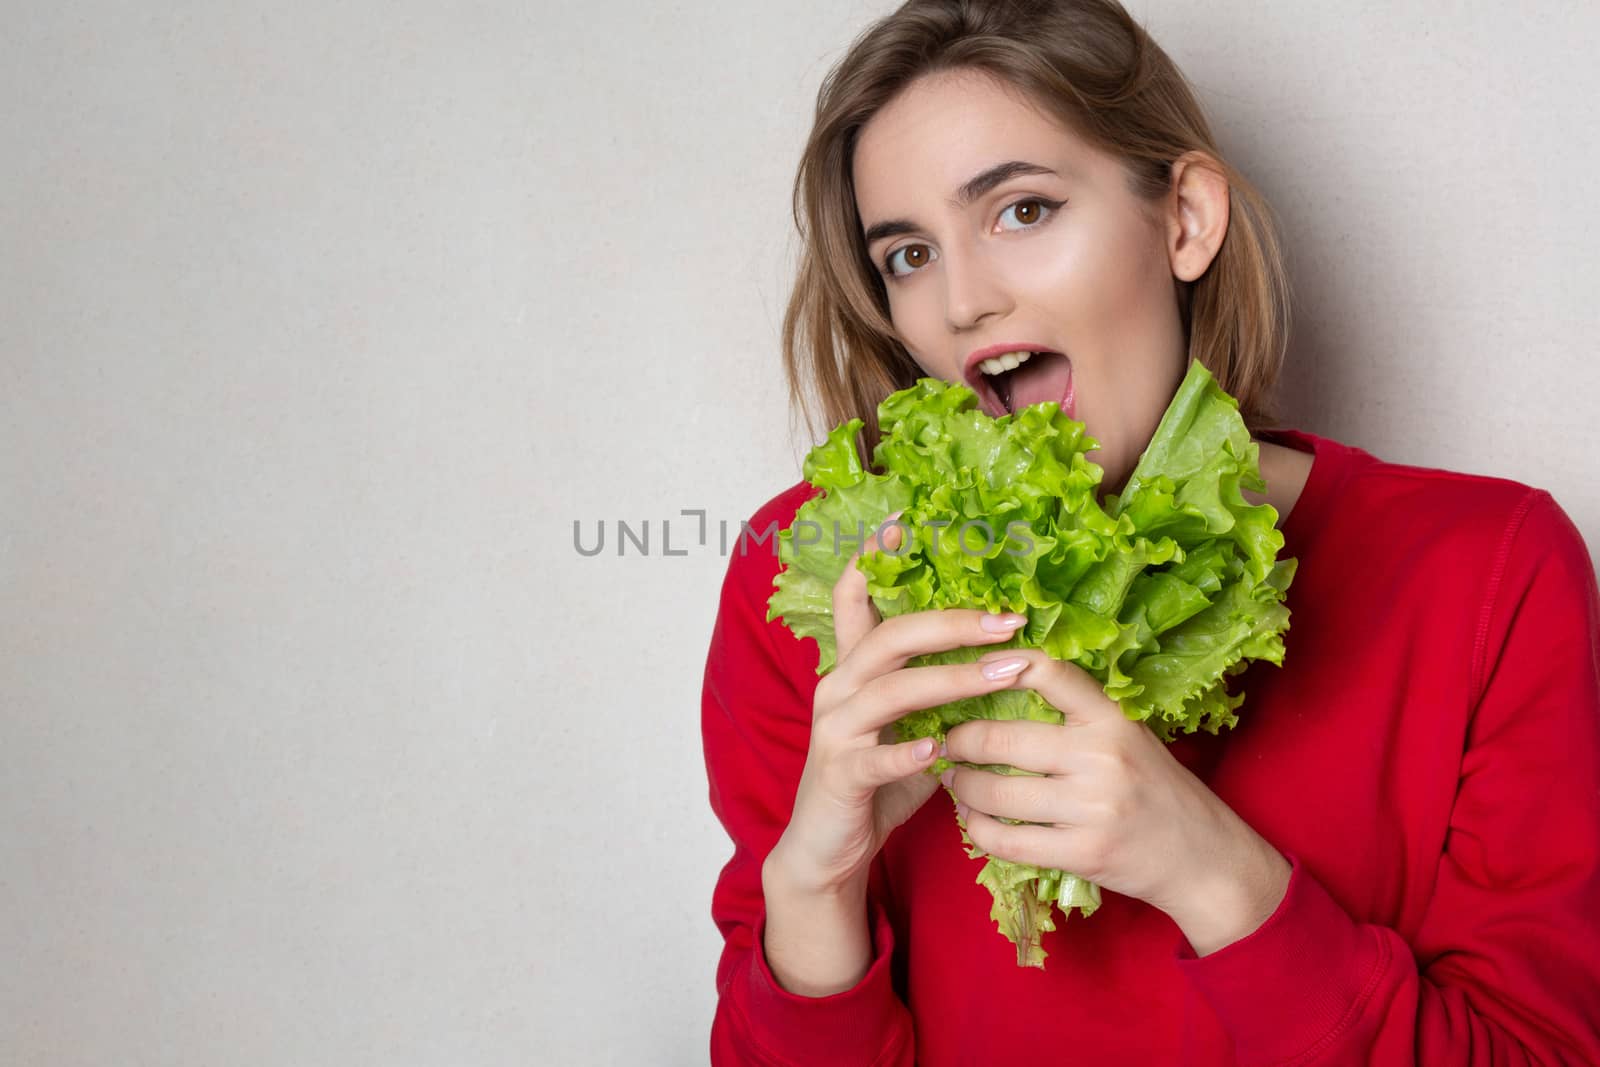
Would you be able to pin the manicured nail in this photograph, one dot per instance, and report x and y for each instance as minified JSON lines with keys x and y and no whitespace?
{"x":1004,"y":668}
{"x":890,"y":532}
{"x":923,"y":749}
{"x":961,"y":811}
{"x":1001,"y":624}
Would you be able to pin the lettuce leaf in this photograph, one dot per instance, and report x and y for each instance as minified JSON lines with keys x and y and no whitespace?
{"x":1161,"y":593}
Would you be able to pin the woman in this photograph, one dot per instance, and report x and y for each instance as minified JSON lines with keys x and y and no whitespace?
{"x":1391,"y":860}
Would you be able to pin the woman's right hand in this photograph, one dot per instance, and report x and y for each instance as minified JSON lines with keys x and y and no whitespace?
{"x":857,"y":785}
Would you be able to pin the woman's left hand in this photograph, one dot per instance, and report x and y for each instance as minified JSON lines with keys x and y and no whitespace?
{"x":1115,"y":807}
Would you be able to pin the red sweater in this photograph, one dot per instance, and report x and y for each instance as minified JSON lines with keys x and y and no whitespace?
{"x":1428,"y":760}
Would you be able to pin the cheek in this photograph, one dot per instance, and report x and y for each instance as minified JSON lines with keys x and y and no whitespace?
{"x":916,"y":320}
{"x":1083,"y":276}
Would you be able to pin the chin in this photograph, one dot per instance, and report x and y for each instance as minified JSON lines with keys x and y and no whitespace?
{"x":1115,"y":475}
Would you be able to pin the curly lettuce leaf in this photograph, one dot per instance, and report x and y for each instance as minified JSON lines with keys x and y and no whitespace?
{"x":1161,"y":593}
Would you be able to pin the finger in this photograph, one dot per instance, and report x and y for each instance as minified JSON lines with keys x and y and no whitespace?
{"x":889,"y":697}
{"x":1038,"y":846}
{"x":871,"y":768}
{"x":1065,"y":686}
{"x":1041,"y":747}
{"x":890,"y":644}
{"x":1029,"y":797}
{"x":853,"y":613}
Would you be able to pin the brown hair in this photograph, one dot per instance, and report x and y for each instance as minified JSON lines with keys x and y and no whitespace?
{"x":1092,"y":67}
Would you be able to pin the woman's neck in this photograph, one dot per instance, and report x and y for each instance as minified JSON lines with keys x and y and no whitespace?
{"x":1285,"y":470}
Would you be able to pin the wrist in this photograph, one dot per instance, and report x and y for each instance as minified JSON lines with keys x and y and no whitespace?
{"x":817,"y":941}
{"x":782,"y":874}
{"x":1234,"y":897}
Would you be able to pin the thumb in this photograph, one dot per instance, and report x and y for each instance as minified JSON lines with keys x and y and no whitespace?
{"x":884,"y":764}
{"x":853,"y":613}
{"x":900,"y":799}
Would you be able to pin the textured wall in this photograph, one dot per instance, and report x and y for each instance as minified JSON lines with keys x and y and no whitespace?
{"x":319,"y":327}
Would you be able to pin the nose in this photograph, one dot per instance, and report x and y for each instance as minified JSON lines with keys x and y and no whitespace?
{"x":972,"y":290}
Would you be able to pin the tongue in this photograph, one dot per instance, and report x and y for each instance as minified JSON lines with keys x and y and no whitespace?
{"x":1044,"y":377}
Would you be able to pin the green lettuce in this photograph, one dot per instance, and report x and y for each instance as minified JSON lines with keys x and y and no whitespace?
{"x":1161,"y":593}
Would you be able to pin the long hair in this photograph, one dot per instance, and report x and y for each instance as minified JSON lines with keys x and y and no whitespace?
{"x":1096,"y":71}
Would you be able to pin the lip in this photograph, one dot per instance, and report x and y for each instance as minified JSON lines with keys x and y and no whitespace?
{"x":970,"y":368}
{"x":974,"y":377}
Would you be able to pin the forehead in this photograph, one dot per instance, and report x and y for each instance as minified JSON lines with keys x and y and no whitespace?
{"x":945,"y":127}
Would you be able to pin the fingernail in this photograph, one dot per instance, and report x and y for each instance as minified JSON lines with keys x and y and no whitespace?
{"x":948,"y":777}
{"x":924,"y":748}
{"x":1004,"y":668}
{"x":889,"y":532}
{"x":961,"y":811}
{"x":1000,"y":624}
{"x":944,"y":749}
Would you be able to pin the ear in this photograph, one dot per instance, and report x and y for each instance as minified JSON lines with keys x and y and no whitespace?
{"x":1196,"y":215}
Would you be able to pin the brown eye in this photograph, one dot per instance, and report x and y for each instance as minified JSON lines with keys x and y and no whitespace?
{"x":1029,"y":213}
{"x":916,"y":257}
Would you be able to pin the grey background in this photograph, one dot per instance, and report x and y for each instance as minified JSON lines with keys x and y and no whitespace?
{"x":321,"y":324}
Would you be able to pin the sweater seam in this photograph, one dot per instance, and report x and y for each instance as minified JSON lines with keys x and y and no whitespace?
{"x":1385,"y":954}
{"x":759,"y":1045}
{"x":885,"y":1055}
{"x":1480,"y":641}
{"x":889,"y":1051}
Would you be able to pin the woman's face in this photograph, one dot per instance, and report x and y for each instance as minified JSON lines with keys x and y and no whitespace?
{"x":1065,"y":263}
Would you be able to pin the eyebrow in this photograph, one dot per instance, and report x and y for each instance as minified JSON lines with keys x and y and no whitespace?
{"x":979,"y":184}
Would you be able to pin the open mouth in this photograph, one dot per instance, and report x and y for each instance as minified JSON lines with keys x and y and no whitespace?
{"x":1007,"y":384}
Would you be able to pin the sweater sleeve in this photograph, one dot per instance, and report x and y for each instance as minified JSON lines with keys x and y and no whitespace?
{"x":756,"y":727}
{"x":1505,"y":968}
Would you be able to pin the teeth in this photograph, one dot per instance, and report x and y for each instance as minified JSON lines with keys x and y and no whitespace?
{"x":1004,"y":362}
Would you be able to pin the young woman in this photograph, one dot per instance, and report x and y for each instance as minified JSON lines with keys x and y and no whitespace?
{"x":1393,"y":859}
